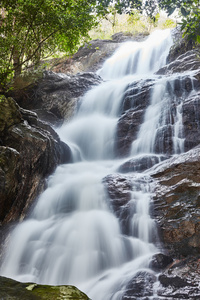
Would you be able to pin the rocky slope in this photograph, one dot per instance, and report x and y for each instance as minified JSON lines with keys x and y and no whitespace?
{"x":30,"y":151}
{"x":175,"y":179}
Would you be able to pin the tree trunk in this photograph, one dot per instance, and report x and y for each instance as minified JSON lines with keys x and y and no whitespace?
{"x":16,"y":64}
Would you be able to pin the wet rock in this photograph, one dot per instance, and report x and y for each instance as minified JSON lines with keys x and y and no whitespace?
{"x":180,"y":280}
{"x":186,"y":62}
{"x":181,"y":45}
{"x":191,"y":121}
{"x":141,"y":163}
{"x":140,"y":287}
{"x":127,"y":129}
{"x":119,"y":191}
{"x":30,"y":151}
{"x":184,"y":56}
{"x":137,"y":95}
{"x":55,"y":97}
{"x":92,"y":55}
{"x":177,"y":204}
{"x":175,"y":281}
{"x":160,"y":261}
{"x":11,"y":289}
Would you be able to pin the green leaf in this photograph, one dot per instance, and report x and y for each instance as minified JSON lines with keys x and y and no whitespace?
{"x":184,"y":12}
{"x":198,"y":39}
{"x":171,"y":10}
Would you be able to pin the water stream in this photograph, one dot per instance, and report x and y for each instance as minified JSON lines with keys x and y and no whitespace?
{"x":73,"y":236}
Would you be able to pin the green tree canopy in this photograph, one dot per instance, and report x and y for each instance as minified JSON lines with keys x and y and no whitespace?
{"x":33,"y":29}
{"x":190,"y":15}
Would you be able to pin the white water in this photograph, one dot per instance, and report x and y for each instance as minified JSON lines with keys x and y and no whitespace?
{"x":72,"y":236}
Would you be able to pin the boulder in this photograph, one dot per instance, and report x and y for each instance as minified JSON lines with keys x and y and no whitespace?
{"x":180,"y":280}
{"x":30,"y":150}
{"x":140,"y":287}
{"x":55,"y":97}
{"x":11,"y":289}
{"x":160,"y":261}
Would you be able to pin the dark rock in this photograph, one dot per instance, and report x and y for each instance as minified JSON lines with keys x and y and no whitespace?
{"x":160,"y":261}
{"x":119,"y":191}
{"x":180,"y":46}
{"x":92,"y":55}
{"x":191,"y":121}
{"x":140,"y":164}
{"x":140,"y":287}
{"x":173,"y":281}
{"x":30,"y":152}
{"x":186,"y":62}
{"x":177,"y":204}
{"x":55,"y":97}
{"x":127,"y":129}
{"x":180,"y":280}
{"x":183,"y":55}
{"x":11,"y":289}
{"x":137,"y":95}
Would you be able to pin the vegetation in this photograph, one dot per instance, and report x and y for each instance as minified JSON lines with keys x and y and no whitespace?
{"x":133,"y":24}
{"x":31,"y":30}
{"x":190,"y":15}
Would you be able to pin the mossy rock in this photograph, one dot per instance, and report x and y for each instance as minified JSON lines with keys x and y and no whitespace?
{"x":9,"y":113}
{"x":14,"y":290}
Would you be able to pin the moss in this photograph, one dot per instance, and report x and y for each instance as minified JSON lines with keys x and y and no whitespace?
{"x":13,"y":290}
{"x":2,"y":98}
{"x":9,"y":113}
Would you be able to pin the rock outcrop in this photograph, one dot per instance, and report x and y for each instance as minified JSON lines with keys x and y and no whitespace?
{"x":30,"y":150}
{"x":177,"y":203}
{"x":11,"y":289}
{"x":119,"y":191}
{"x":55,"y":96}
{"x":90,"y":57}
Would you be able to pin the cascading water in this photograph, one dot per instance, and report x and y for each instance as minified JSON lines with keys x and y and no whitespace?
{"x":73,"y":236}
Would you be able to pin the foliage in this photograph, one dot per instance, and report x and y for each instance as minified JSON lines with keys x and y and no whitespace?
{"x":134,"y":23}
{"x":168,"y":24}
{"x":190,"y":15}
{"x":32,"y":29}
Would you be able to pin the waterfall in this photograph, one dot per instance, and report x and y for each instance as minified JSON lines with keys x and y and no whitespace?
{"x":73,"y":235}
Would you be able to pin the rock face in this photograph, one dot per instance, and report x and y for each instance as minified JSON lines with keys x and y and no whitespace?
{"x":140,"y":287}
{"x":176,"y":198}
{"x":177,"y":203}
{"x":91,"y":56}
{"x":119,"y":191}
{"x":55,"y":97}
{"x":136,"y":99}
{"x":11,"y":289}
{"x":29,"y":151}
